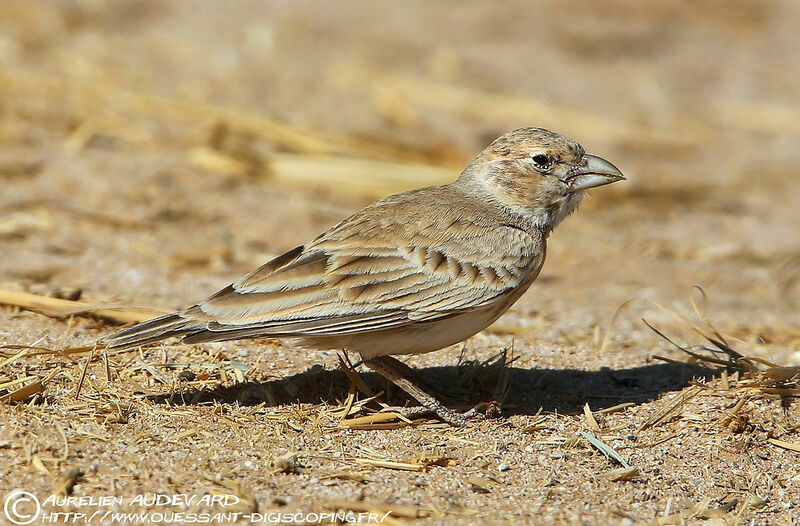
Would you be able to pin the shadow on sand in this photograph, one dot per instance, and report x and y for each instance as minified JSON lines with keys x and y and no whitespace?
{"x":562,"y":390}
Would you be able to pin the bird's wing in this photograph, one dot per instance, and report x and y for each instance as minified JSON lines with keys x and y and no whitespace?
{"x":373,"y":274}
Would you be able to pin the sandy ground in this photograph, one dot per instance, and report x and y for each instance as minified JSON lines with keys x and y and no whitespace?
{"x":151,"y":152}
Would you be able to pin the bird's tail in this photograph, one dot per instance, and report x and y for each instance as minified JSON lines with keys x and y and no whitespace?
{"x":152,"y":331}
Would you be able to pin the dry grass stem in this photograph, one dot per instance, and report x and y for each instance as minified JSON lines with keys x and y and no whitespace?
{"x":59,"y":308}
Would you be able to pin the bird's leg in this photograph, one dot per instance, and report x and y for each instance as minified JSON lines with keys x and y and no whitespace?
{"x":394,"y":370}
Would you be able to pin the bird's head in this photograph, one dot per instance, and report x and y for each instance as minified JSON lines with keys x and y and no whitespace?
{"x":538,"y":173}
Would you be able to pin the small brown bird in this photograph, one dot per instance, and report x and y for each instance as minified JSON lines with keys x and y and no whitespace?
{"x":412,"y":273}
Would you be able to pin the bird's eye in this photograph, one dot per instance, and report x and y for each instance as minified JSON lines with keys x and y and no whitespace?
{"x":542,"y":161}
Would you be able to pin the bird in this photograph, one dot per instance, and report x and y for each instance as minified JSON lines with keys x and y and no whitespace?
{"x":414,"y":272}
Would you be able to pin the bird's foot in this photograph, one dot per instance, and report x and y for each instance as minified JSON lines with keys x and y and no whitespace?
{"x":446,"y":414}
{"x":396,"y":371}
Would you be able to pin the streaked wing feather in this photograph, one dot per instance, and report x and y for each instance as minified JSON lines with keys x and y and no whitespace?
{"x":369,"y":275}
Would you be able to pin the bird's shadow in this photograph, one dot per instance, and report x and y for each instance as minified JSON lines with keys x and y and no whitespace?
{"x":529,"y":390}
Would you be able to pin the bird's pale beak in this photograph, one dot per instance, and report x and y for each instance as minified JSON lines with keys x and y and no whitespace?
{"x":596,"y":172}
